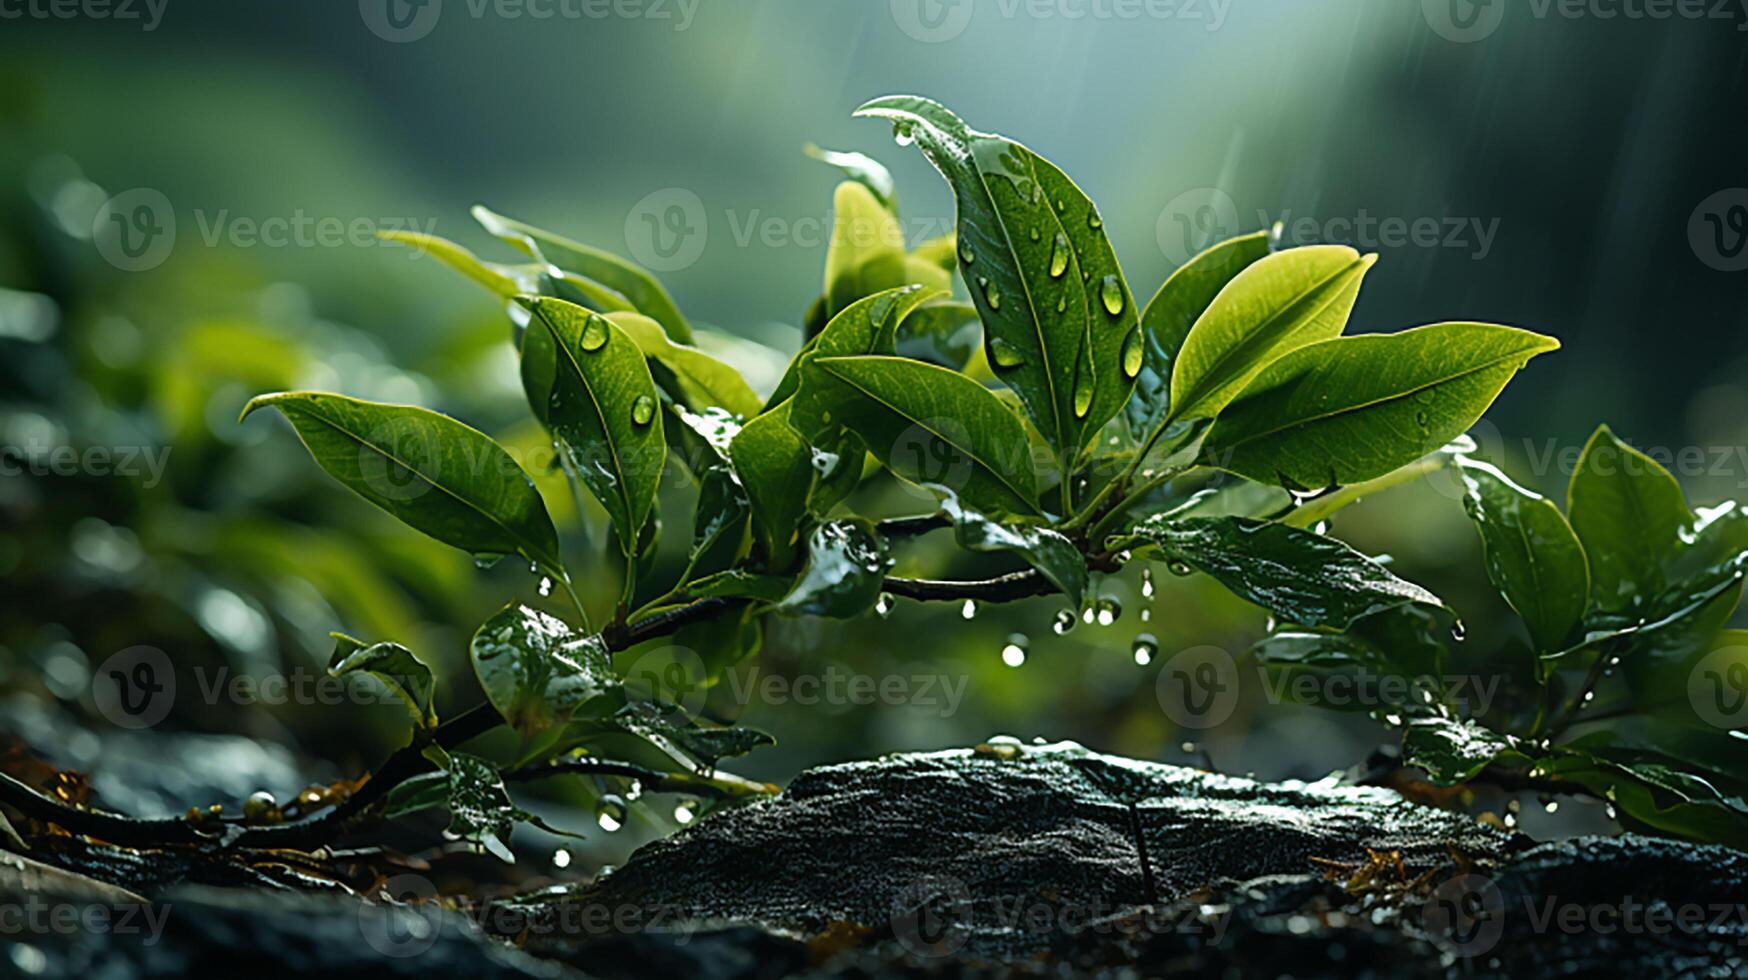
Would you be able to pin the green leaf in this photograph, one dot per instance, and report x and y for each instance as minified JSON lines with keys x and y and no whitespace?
{"x":480,"y":809}
{"x":536,"y":670}
{"x":846,"y":565}
{"x":1533,"y":558}
{"x":738,"y":583}
{"x":933,"y":426}
{"x":1167,"y":320}
{"x":668,"y":727}
{"x":1300,"y":576}
{"x":506,"y":281}
{"x":1277,"y":304}
{"x":589,"y":385}
{"x":1629,"y":512}
{"x":775,"y":466}
{"x":862,"y":169}
{"x":631,"y":281}
{"x":867,"y":326}
{"x":426,"y":791}
{"x":944,"y":333}
{"x":1454,"y":750}
{"x":437,"y":475}
{"x":1659,"y":796}
{"x":866,"y":252}
{"x":719,"y":527}
{"x":705,"y":381}
{"x":1351,"y":409}
{"x":396,"y":668}
{"x":1061,"y":327}
{"x":1050,"y":552}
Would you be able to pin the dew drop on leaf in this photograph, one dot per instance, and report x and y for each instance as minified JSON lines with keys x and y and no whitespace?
{"x":1178,"y":567}
{"x":634,"y":789}
{"x":1144,"y":647}
{"x":1013,"y":652}
{"x":1036,"y":235}
{"x":901,"y":133}
{"x":966,"y":255}
{"x":992,"y":295}
{"x":1083,"y":398}
{"x":1059,"y":256}
{"x":610,"y":813}
{"x":1094,"y":221}
{"x":1005,"y":354}
{"x":642,"y":410}
{"x":594,"y":334}
{"x":1088,"y":614}
{"x":1134,"y":354}
{"x":1112,"y":294}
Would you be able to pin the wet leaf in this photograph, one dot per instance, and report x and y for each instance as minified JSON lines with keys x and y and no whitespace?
{"x":1354,"y":408}
{"x":1300,"y":576}
{"x":1660,"y":796}
{"x":846,"y":565}
{"x":669,"y":728}
{"x":775,"y":467}
{"x":1051,"y":553}
{"x":1533,"y":558}
{"x":437,"y":475}
{"x":1454,"y":750}
{"x":867,"y":326}
{"x":1056,"y":310}
{"x":930,"y":425}
{"x":1629,"y":512}
{"x":536,"y":670}
{"x":719,"y":524}
{"x":943,"y":332}
{"x":589,"y":385}
{"x":862,"y":169}
{"x":705,"y":381}
{"x":737,"y":583}
{"x":639,"y":288}
{"x":1167,"y":320}
{"x":1277,"y":304}
{"x":396,"y":668}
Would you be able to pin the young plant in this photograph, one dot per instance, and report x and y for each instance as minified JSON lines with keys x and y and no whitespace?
{"x":1060,"y":439}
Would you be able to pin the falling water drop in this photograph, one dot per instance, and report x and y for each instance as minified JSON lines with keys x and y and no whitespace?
{"x":1144,"y":647}
{"x":1146,"y":614}
{"x":969,"y":610}
{"x":610,"y":813}
{"x":1088,"y":614}
{"x":1013,"y":653}
{"x":561,"y":858}
{"x":545,"y":586}
{"x":1110,"y":610}
{"x":594,"y":333}
{"x":1063,"y":622}
{"x":883,"y":605}
{"x":902,"y":134}
{"x":1459,"y":631}
{"x":685,"y":811}
{"x":1112,"y":294}
{"x":633,"y":789}
{"x":1147,"y":583}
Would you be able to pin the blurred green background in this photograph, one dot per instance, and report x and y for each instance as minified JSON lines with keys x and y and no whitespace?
{"x":1565,"y":161}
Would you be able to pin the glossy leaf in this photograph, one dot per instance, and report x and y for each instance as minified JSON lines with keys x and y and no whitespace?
{"x":1629,"y":512}
{"x":1057,"y":313}
{"x":774,"y":464}
{"x":933,"y":426}
{"x":846,"y":565}
{"x":705,"y":381}
{"x":1167,"y":320}
{"x":1351,"y":409}
{"x":864,"y":170}
{"x":719,"y":526}
{"x":668,"y":727}
{"x":480,"y":809}
{"x":536,"y":670}
{"x":867,"y":326}
{"x":1300,"y":576}
{"x":437,"y":475}
{"x":1659,"y":796}
{"x":866,"y":251}
{"x":629,"y":280}
{"x":1050,"y":552}
{"x":1533,"y":558}
{"x":736,"y":583}
{"x":946,"y":333}
{"x":1277,"y":304}
{"x":395,"y":667}
{"x":589,"y":385}
{"x":1454,"y":750}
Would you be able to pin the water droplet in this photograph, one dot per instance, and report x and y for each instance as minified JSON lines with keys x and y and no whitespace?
{"x":1188,"y":748}
{"x":992,"y":295}
{"x":484,"y":562}
{"x":610,"y":813}
{"x":1062,"y":302}
{"x":1013,"y":653}
{"x":1178,"y":567}
{"x":1459,"y":631}
{"x":594,"y":333}
{"x":1421,"y":419}
{"x":685,"y":812}
{"x":1063,"y":622}
{"x":902,"y":134}
{"x":634,"y":789}
{"x":969,"y":610}
{"x":1112,"y":294}
{"x":966,"y":255}
{"x":546,"y":586}
{"x":1611,"y":811}
{"x":1005,"y":354}
{"x":1552,"y":806}
{"x":1147,"y":583}
{"x":1109,"y":610}
{"x":1087,"y":615}
{"x":883,"y":605}
{"x":1036,"y":235}
{"x":1144,"y":647}
{"x":1093,"y":220}
{"x":1083,"y":397}
{"x":642,"y":410}
{"x":561,"y":858}
{"x":1146,"y":614}
{"x":1134,"y":354}
{"x":1059,"y":256}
